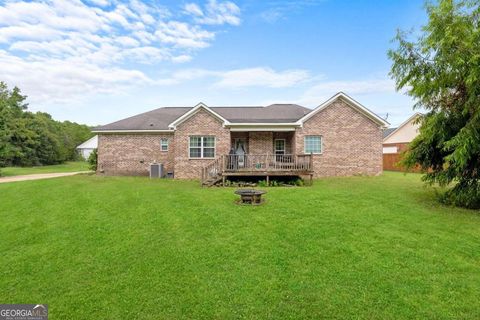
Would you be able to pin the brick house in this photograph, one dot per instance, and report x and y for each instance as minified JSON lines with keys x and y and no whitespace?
{"x":338,"y":138}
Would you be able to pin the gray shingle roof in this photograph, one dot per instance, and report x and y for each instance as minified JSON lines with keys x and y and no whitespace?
{"x":387,"y":132}
{"x":159,"y":119}
{"x":274,"y":113}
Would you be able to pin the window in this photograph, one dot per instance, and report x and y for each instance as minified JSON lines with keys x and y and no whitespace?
{"x":164,"y":144}
{"x":390,"y":150}
{"x":313,"y":144}
{"x":279,"y":146}
{"x":202,"y":147}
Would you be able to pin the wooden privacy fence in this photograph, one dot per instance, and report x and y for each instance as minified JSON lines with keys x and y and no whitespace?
{"x":391,"y":163}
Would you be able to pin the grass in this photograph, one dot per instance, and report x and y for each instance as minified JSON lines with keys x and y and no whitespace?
{"x":69,"y":166}
{"x":132,"y":248}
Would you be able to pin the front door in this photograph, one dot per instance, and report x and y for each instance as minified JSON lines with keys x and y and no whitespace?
{"x":240,"y":152}
{"x":279,"y":150}
{"x":240,"y":145}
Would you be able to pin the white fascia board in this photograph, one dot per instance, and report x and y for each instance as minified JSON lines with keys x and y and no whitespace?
{"x":195,"y":109}
{"x":263,"y":124}
{"x":133,"y":131}
{"x":252,"y":128}
{"x":352,"y":103}
{"x":236,"y":127}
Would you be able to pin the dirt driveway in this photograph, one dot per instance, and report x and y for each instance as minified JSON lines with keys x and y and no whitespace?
{"x":40,"y":176}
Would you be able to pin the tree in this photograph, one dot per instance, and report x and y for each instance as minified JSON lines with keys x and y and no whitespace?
{"x":12,"y":128}
{"x":28,"y":138}
{"x":440,"y":69}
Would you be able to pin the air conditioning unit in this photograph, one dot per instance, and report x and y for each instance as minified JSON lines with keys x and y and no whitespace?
{"x":156,"y":170}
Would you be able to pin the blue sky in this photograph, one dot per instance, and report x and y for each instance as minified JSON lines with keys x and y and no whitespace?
{"x":97,"y":61}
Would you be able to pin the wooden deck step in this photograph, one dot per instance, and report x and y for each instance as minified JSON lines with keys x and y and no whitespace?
{"x":212,"y":181}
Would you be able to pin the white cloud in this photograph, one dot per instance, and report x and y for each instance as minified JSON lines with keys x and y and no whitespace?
{"x":127,"y":41}
{"x":56,"y":80}
{"x":193,"y":9}
{"x":215,"y":12}
{"x":326,"y":89}
{"x":183,"y":35}
{"x":368,"y":91}
{"x":282,"y":9}
{"x":272,"y":15}
{"x":38,"y":32}
{"x":242,"y":78}
{"x":261,"y":77}
{"x":182,"y":58}
{"x":101,"y":3}
{"x":51,"y":42}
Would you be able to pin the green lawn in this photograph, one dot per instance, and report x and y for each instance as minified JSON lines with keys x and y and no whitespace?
{"x":131,"y":248}
{"x":69,"y":166}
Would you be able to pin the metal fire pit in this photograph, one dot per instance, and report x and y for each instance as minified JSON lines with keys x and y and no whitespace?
{"x":250,"y":196}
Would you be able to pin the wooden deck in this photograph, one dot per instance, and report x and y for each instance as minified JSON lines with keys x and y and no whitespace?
{"x":266,"y":165}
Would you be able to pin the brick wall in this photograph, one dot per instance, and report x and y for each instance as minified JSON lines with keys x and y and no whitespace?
{"x":131,"y":154}
{"x":260,"y":142}
{"x":352,"y":143}
{"x":201,"y":123}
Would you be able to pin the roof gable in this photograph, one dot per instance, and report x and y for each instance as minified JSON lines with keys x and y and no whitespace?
{"x":91,"y":143}
{"x":403,"y":125}
{"x":352,"y":103}
{"x":197,"y":108}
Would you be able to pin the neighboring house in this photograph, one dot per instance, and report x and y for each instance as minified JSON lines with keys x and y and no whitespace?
{"x":338,"y":138}
{"x":396,"y":140}
{"x":86,"y":148}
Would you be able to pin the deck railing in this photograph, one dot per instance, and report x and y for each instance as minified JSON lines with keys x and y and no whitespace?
{"x":256,"y":163}
{"x":213,"y":169}
{"x":267,"y":162}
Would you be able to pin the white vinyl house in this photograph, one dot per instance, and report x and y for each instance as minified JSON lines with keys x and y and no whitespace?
{"x":86,"y":148}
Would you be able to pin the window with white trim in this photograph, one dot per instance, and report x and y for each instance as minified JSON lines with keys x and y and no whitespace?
{"x":202,"y":147}
{"x":313,"y":144}
{"x":164,"y":144}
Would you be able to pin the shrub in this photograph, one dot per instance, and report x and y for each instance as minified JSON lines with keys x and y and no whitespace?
{"x":92,"y":160}
{"x":299,"y":182}
{"x":262,"y":183}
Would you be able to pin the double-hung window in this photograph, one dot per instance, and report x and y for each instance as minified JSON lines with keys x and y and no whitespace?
{"x":202,"y":147}
{"x":164,"y":144}
{"x":313,"y":144}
